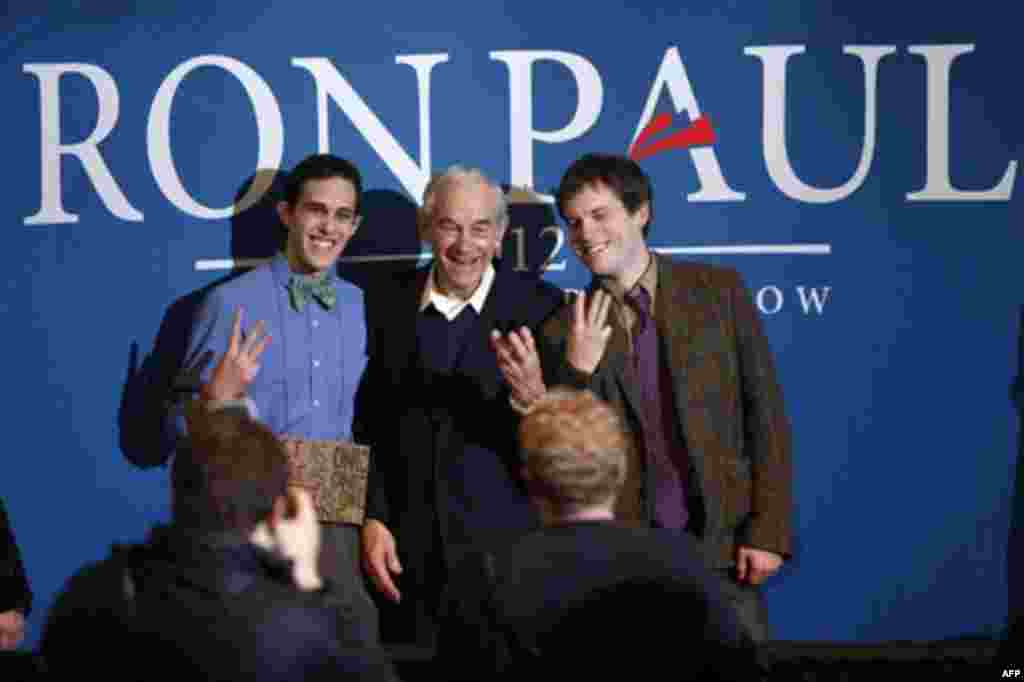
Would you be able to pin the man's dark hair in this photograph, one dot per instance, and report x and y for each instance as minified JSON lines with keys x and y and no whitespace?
{"x":321,"y":167}
{"x":227,"y":474}
{"x":621,"y":175}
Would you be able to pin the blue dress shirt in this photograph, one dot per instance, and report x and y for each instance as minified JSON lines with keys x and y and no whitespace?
{"x":312,"y":366}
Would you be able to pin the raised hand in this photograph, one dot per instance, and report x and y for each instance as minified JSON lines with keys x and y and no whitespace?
{"x":238,"y":367}
{"x":292,"y":532}
{"x":589,"y":330}
{"x":298,"y":535}
{"x":519,"y":364}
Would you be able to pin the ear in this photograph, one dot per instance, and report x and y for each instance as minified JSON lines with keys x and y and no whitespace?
{"x":284,"y":212}
{"x":642,"y":214}
{"x":422,"y":226}
{"x":499,"y":234}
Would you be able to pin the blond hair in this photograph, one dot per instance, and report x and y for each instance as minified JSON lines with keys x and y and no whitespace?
{"x":574,"y":449}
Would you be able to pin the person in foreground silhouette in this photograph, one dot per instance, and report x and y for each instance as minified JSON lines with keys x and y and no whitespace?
{"x":230,"y":590}
{"x":586,"y":595}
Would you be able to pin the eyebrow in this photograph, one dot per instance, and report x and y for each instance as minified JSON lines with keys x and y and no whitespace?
{"x":483,"y":222}
{"x":313,"y":203}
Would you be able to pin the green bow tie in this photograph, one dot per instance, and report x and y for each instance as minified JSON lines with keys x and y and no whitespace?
{"x":301,"y":289}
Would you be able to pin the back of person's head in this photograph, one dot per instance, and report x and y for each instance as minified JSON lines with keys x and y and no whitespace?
{"x":228,"y":474}
{"x":574,"y":449}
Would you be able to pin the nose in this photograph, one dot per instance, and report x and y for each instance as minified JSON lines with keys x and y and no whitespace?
{"x":461,"y":240}
{"x":580,"y":229}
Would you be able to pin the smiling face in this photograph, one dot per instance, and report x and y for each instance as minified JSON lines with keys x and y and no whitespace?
{"x":320,"y":223}
{"x":606,"y":237}
{"x":465,"y":234}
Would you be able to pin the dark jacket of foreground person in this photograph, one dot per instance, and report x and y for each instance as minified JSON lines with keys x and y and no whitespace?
{"x":205,"y":606}
{"x":592,"y":599}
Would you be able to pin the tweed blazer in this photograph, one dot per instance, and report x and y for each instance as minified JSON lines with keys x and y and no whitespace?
{"x":727,"y":401}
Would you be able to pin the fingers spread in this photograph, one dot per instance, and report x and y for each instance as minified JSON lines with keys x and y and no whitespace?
{"x":260,"y":346}
{"x":236,"y":332}
{"x":578,"y":311}
{"x":253,"y":337}
{"x":604,"y":307}
{"x":526,"y":337}
{"x":495,"y":340}
{"x":520,"y":351}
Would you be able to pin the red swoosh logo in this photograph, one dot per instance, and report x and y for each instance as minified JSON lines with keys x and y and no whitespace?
{"x":699,"y":132}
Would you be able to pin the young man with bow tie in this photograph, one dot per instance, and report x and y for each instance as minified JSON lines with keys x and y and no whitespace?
{"x":299,"y":364}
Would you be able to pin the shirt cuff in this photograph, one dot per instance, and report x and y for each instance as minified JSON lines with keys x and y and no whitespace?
{"x":195,"y":408}
{"x":518,"y":407}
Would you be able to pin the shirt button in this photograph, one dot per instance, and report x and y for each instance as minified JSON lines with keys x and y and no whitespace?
{"x":316,"y":403}
{"x":316,"y":363}
{"x":316,"y":323}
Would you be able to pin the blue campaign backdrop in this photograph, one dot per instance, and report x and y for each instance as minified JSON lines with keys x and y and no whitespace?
{"x":863,"y":156}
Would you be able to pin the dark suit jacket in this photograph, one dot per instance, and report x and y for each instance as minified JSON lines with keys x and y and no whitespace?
{"x":727,"y":400}
{"x":436,"y":501}
{"x":193,"y":606}
{"x":591,"y":597}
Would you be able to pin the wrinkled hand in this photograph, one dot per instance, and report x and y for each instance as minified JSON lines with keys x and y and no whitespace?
{"x":380,"y":558}
{"x":519,"y":364}
{"x":755,"y":565}
{"x":12,"y":629}
{"x":589,"y":330}
{"x":239,"y":366}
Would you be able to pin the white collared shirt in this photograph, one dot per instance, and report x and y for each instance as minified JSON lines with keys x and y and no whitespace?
{"x":451,"y":306}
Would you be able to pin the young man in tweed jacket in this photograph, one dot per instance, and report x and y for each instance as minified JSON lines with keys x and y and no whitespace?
{"x":692,"y":373}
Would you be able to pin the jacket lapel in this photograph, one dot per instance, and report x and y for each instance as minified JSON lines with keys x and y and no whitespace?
{"x":681,"y":312}
{"x":675,"y":324}
{"x":618,"y":362}
{"x":405,"y":342}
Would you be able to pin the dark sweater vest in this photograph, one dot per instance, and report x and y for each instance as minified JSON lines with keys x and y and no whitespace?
{"x":482,"y":498}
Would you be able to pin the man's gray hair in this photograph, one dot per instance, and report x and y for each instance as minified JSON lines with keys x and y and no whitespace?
{"x":458,"y":175}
